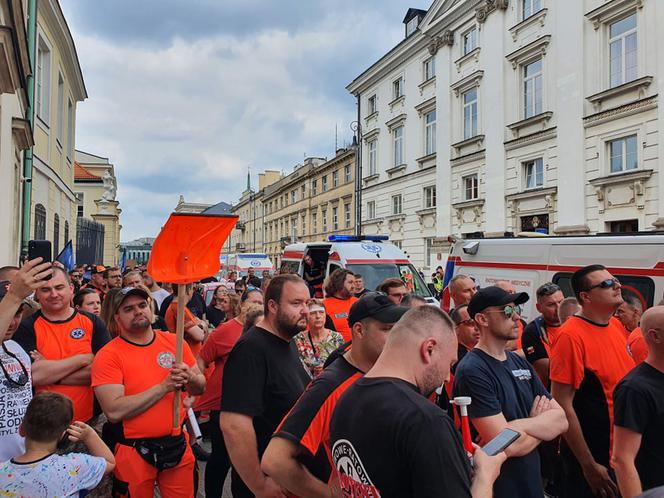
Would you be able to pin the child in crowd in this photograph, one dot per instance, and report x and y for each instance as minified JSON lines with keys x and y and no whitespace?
{"x":40,"y":471}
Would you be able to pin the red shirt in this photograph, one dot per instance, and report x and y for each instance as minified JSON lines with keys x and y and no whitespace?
{"x":216,"y":350}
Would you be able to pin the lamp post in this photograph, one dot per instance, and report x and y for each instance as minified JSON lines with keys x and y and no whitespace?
{"x":356,"y":127}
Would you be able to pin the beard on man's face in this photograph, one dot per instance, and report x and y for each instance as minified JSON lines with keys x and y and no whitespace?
{"x":290,"y":326}
{"x":139,"y":324}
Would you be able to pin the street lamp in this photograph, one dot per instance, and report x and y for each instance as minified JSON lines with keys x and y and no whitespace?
{"x":356,"y":128}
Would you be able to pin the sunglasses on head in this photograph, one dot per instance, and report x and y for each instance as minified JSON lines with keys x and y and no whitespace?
{"x":508,"y":310}
{"x":609,"y":283}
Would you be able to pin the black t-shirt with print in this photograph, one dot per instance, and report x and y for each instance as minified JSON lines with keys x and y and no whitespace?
{"x":263,"y":378}
{"x":388,"y":440}
{"x":638,"y":403}
{"x":508,"y":387}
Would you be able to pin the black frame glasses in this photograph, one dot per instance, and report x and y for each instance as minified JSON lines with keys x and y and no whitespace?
{"x":609,"y":283}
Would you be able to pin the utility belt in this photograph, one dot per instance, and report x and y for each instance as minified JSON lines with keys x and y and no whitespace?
{"x":162,"y":453}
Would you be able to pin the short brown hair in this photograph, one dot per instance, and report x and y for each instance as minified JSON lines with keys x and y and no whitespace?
{"x":275,"y":290}
{"x":335,"y":281}
{"x":390,"y":283}
{"x":48,"y":415}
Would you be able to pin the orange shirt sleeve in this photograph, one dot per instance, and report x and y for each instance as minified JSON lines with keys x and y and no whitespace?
{"x":637,"y":346}
{"x":106,"y":369}
{"x":567,"y":365}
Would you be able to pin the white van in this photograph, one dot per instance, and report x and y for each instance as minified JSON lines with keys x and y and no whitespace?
{"x":241,"y":262}
{"x":371,"y":256}
{"x":636,"y":260}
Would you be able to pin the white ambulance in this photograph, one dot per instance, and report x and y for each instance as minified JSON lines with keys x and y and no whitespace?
{"x":371,"y":256}
{"x":241,"y":262}
{"x":528,"y":262}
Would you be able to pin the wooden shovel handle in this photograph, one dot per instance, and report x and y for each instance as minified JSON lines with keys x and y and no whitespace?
{"x":179,"y":338}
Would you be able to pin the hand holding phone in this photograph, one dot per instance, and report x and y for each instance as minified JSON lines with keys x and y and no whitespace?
{"x":40,"y":249}
{"x":499,"y":443}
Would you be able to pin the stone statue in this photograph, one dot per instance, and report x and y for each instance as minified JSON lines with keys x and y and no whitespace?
{"x":109,"y":186}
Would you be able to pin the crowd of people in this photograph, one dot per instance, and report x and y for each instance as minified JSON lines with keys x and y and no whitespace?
{"x":350,"y":395}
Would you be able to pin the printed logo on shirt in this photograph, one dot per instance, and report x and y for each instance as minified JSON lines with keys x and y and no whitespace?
{"x":530,"y":349}
{"x":522,"y":374}
{"x":166,"y":360}
{"x":353,"y":478}
{"x":77,"y":333}
{"x":341,"y":315}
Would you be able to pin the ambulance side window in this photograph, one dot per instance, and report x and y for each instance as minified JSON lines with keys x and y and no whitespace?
{"x":641,"y":287}
{"x":333,"y":267}
{"x":290,"y":267}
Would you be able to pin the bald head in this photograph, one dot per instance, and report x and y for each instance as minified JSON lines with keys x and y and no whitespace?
{"x":419,"y":323}
{"x":506,"y":286}
{"x":462,"y":289}
{"x":652,"y":327}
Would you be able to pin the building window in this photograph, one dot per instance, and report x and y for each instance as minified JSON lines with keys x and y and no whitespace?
{"x":429,"y":68}
{"x":532,"y":88}
{"x":347,"y":215}
{"x":66,"y":240}
{"x":293,"y":196}
{"x":61,"y":109}
{"x":335,"y":219}
{"x":533,"y":173}
{"x":335,"y":179}
{"x":314,"y":187}
{"x":40,"y":222}
{"x":371,"y":210}
{"x":530,"y":7}
{"x":314,"y":222}
{"x":372,"y":158}
{"x":470,"y":113}
{"x":70,"y":130}
{"x":429,"y":250}
{"x":624,"y":226}
{"x":371,"y":105}
{"x":469,"y":40}
{"x":324,"y":182}
{"x":622,"y":51}
{"x":430,"y":133}
{"x":347,"y":175}
{"x":43,"y":81}
{"x":56,"y":235}
{"x":623,"y":154}
{"x":411,"y":26}
{"x":430,"y":196}
{"x":396,"y":204}
{"x":304,"y":191}
{"x":304,"y":224}
{"x":324,"y":216}
{"x":398,"y":145}
{"x":397,"y":88}
{"x":470,"y":187}
{"x":80,"y":197}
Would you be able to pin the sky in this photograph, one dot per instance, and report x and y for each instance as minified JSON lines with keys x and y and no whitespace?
{"x":186,"y":95}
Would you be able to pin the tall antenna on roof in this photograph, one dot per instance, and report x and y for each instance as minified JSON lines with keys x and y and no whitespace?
{"x":336,"y":141}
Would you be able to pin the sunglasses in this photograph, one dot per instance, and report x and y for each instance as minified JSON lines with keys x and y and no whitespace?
{"x":508,"y":310}
{"x":609,"y":283}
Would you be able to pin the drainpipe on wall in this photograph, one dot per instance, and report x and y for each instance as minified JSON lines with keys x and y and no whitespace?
{"x":357,"y":138}
{"x":27,"y":155}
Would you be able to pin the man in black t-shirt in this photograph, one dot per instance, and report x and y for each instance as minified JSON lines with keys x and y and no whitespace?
{"x":506,"y":392}
{"x":263,"y":378}
{"x":313,"y":274}
{"x":305,"y":432}
{"x":387,"y":439}
{"x":638,"y":433}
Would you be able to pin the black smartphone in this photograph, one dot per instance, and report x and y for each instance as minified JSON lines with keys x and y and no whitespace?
{"x":40,"y":249}
{"x":500,"y":442}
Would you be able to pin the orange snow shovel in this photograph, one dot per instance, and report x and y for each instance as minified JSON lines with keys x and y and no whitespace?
{"x":187,"y":250}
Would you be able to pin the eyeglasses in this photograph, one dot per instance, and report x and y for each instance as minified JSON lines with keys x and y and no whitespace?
{"x":470,"y":322}
{"x":609,"y":283}
{"x":508,"y":310}
{"x":547,"y":289}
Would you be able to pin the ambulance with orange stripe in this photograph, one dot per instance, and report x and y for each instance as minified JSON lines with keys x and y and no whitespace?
{"x":528,"y":262}
{"x":371,"y":256}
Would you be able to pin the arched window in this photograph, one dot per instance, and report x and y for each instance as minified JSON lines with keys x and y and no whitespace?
{"x":66,"y":232}
{"x":40,"y":222}
{"x":56,"y":235}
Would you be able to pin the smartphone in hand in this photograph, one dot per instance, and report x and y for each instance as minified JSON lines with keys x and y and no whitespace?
{"x":40,"y":249}
{"x":499,"y":443}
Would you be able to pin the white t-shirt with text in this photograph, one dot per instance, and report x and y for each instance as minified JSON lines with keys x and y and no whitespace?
{"x":15,"y":394}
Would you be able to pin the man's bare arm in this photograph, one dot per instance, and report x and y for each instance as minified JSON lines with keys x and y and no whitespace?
{"x":53,"y":371}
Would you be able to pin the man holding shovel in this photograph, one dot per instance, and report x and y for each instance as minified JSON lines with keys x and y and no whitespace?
{"x":135,"y":378}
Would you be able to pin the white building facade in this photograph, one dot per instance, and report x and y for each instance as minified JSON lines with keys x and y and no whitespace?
{"x":547,"y":119}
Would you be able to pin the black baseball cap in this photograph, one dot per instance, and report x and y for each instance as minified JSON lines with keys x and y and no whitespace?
{"x":494,"y":296}
{"x":124,"y":294}
{"x":375,"y":305}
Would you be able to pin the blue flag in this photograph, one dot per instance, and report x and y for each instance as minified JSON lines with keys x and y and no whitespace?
{"x":66,"y":257}
{"x":123,"y":261}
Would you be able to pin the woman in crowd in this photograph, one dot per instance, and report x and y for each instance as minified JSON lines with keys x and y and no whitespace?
{"x":216,"y":310}
{"x":88,"y":300}
{"x":216,"y":350}
{"x":107,"y":311}
{"x":316,"y":344}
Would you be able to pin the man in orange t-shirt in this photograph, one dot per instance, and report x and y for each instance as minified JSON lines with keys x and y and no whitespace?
{"x":62,"y":342}
{"x":134,"y":378}
{"x":587,"y":361}
{"x":194,"y":329}
{"x":636,"y":345}
{"x":340,"y":290}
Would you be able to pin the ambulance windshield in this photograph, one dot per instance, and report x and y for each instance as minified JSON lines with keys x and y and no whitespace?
{"x":374,"y":274}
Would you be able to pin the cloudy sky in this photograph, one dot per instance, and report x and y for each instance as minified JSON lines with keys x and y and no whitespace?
{"x":185,"y":95}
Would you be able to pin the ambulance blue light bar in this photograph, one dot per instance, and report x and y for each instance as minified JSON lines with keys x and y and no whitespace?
{"x":356,"y":238}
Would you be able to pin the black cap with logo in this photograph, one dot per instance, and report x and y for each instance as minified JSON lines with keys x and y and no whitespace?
{"x":375,"y":305}
{"x":493,"y":296}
